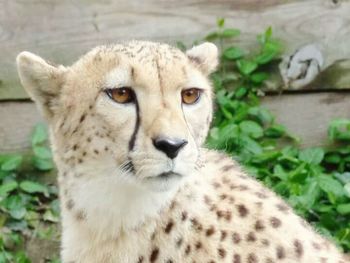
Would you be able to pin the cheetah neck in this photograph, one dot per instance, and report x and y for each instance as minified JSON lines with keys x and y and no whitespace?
{"x":111,"y":205}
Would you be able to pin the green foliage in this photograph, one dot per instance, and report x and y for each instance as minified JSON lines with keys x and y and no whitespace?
{"x":315,"y":181}
{"x":28,"y":208}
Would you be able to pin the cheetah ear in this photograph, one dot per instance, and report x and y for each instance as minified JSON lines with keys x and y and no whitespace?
{"x":41,"y":80}
{"x":204,"y":56}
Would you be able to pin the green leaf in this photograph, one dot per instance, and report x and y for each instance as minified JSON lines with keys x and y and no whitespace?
{"x":279,"y":172}
{"x":229,"y":77}
{"x":39,"y":135}
{"x":51,"y":217}
{"x":12,"y":163}
{"x":259,"y":77}
{"x":275,"y":131}
{"x":312,"y":192}
{"x":330,"y":185}
{"x":7,"y":187}
{"x":343,"y":177}
{"x":266,"y":36}
{"x":333,"y":158}
{"x":266,"y":56}
{"x":21,"y":257}
{"x":251,"y":128}
{"x":18,"y":213}
{"x":339,"y":130}
{"x":262,"y":114}
{"x":268,"y":33}
{"x":312,"y":155}
{"x":240,"y":92}
{"x":347,"y":189}
{"x":246,"y":67}
{"x":15,"y":206}
{"x":212,"y":36}
{"x":233,"y":53}
{"x":43,"y":164}
{"x":250,"y":145}
{"x":299,"y":174}
{"x":181,"y":45}
{"x":42,"y":152}
{"x":343,"y":209}
{"x":33,"y":187}
{"x":230,"y":32}
{"x":220,"y":22}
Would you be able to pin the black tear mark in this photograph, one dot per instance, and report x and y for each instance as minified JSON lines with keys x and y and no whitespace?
{"x":137,"y":125}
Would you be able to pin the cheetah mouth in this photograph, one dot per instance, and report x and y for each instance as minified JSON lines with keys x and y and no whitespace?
{"x":168,"y":174}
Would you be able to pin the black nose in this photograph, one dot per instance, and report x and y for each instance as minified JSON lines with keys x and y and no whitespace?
{"x":170,"y":147}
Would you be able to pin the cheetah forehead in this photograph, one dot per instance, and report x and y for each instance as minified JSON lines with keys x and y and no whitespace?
{"x":143,"y":52}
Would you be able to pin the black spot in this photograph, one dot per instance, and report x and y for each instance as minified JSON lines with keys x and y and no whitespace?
{"x":169,"y":227}
{"x":252,"y":258}
{"x":188,"y":250}
{"x":179,"y":242}
{"x":280,"y":252}
{"x":223,"y":235}
{"x":81,"y":215}
{"x":198,"y":245}
{"x":275,"y":222}
{"x":184,"y":215}
{"x":222,"y":253}
{"x":242,"y":210}
{"x":298,"y":248}
{"x":236,"y":258}
{"x":236,"y":238}
{"x":210,"y":231}
{"x":154,"y":255}
{"x":82,"y":118}
{"x":259,"y":226}
{"x":227,"y":167}
{"x":70,"y":204}
{"x":251,"y":237}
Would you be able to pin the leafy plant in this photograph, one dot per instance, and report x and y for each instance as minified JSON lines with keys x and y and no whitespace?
{"x":28,"y":207}
{"x":315,"y":181}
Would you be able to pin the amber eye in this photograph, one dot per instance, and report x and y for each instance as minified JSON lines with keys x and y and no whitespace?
{"x":191,"y":96}
{"x":121,"y":95}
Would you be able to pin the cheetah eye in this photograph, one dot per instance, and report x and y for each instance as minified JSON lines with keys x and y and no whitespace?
{"x":191,"y":96}
{"x":121,"y":95}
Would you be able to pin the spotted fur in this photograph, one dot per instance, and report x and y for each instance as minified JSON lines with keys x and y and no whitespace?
{"x":122,"y":200}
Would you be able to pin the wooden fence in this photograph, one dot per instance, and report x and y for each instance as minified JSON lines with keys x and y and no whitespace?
{"x":63,"y":30}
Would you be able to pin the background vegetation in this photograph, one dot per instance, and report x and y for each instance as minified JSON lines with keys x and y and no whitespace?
{"x":315,"y":181}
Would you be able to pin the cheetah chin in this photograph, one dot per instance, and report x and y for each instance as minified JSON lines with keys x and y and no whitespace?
{"x":127,"y":125}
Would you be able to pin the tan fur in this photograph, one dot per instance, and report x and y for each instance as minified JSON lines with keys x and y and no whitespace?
{"x":115,"y":206}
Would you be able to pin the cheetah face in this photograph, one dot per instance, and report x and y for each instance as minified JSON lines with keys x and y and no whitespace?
{"x":138,"y":112}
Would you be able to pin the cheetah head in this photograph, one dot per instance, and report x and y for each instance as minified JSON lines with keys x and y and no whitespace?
{"x":137,"y":112}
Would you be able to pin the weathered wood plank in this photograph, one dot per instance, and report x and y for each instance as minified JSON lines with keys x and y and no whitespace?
{"x":62,"y":30}
{"x":17,"y":122}
{"x":305,"y":115}
{"x":308,"y":115}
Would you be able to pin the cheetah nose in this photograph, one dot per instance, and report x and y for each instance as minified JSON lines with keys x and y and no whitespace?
{"x":169,"y":146}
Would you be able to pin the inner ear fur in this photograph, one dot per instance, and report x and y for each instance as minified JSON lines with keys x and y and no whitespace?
{"x":41,"y":80}
{"x":204,"y":57}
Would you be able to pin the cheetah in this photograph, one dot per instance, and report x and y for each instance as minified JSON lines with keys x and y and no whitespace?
{"x":127,"y":126}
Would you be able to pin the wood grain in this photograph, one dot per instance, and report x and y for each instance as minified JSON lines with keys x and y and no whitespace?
{"x":62,"y":30}
{"x":308,"y":115}
{"x":305,"y":115}
{"x":17,"y":122}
